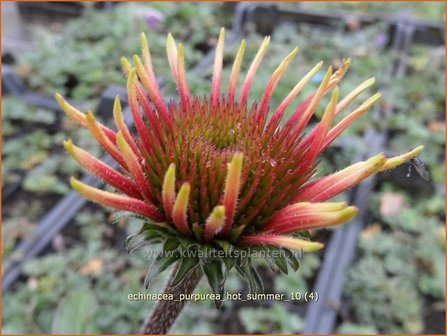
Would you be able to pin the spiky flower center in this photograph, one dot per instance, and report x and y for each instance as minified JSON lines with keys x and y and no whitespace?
{"x":201,"y":144}
{"x":203,"y":122}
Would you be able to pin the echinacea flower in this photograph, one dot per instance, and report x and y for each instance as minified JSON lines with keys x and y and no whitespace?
{"x":213,"y":173}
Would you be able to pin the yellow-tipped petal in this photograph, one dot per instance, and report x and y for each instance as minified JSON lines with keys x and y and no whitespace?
{"x":232,"y":186}
{"x":118,"y":115}
{"x":235,"y":71}
{"x":131,"y":81}
{"x":179,"y":212}
{"x":284,"y":64}
{"x":168,"y":191}
{"x":144,"y":76}
{"x":102,"y":138}
{"x":305,"y":117}
{"x":125,"y":64}
{"x":329,"y":113}
{"x":252,"y":70}
{"x":70,"y":110}
{"x":322,"y":129}
{"x":145,"y":47}
{"x":338,"y":75}
{"x":282,"y":242}
{"x":172,"y":52}
{"x":327,"y":187}
{"x":349,"y":119}
{"x":135,"y":167}
{"x":147,"y":57}
{"x":301,"y":84}
{"x":316,"y":207}
{"x":215,"y":222}
{"x":277,"y":74}
{"x":120,"y":123}
{"x":217,"y":69}
{"x":312,"y":219}
{"x":354,"y":93}
{"x":81,"y":118}
{"x":151,"y":86}
{"x":69,"y":147}
{"x":398,"y":160}
{"x":102,"y":170}
{"x":277,"y":115}
{"x":300,"y":244}
{"x":116,"y":201}
{"x":181,"y":80}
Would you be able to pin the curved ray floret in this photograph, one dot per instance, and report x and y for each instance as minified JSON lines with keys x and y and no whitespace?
{"x":282,"y":241}
{"x":211,"y":172}
{"x":103,"y":171}
{"x":117,"y":201}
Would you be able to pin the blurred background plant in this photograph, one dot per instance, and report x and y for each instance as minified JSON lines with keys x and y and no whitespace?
{"x":397,"y":284}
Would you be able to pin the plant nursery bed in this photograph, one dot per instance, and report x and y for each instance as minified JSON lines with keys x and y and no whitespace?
{"x":83,"y":250}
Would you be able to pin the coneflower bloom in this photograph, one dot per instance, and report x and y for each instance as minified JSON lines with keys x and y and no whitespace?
{"x":214,"y":173}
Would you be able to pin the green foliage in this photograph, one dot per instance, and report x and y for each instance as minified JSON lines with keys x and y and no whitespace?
{"x":349,"y":328}
{"x":298,"y":281}
{"x":431,"y":11}
{"x":215,"y":259}
{"x":400,"y":263}
{"x":404,"y":260}
{"x":390,"y":303}
{"x":82,"y":60}
{"x":75,"y":312}
{"x":60,"y":283}
{"x":16,"y":110}
{"x":43,"y":178}
{"x":275,"y":319}
{"x":430,"y":256}
{"x":32,"y":151}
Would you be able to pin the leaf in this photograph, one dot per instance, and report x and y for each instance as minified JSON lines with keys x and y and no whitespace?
{"x":162,"y":227}
{"x":187,"y":265}
{"x":281,"y":262}
{"x":150,"y":233}
{"x":292,"y":259}
{"x":160,"y":263}
{"x":137,"y":241}
{"x":250,"y":274}
{"x":76,"y":313}
{"x":271,"y":263}
{"x":213,"y":272}
{"x":121,"y":215}
{"x":170,"y":244}
{"x":229,"y":263}
{"x":228,"y":260}
{"x":257,"y":281}
{"x":302,"y":234}
{"x":225,"y":245}
{"x":187,"y":243}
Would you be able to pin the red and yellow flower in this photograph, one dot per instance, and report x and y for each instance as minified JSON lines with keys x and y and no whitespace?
{"x":215,"y":172}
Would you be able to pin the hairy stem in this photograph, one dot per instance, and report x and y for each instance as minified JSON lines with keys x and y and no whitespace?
{"x":167,"y":311}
